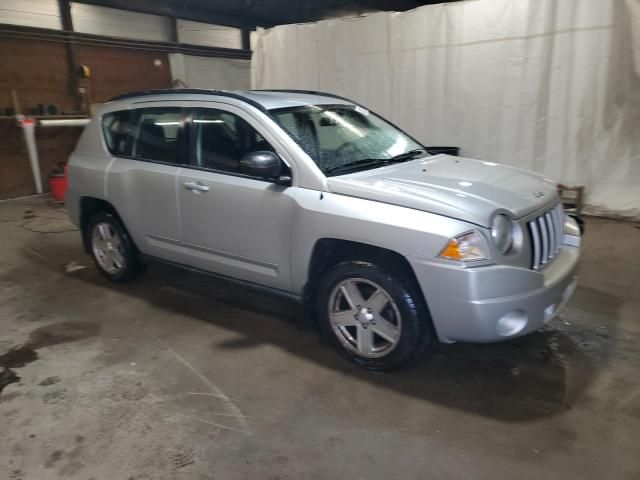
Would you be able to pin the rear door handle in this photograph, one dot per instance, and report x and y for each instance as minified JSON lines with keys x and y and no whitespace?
{"x":196,"y":187}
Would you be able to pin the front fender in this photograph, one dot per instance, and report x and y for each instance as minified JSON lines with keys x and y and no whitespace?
{"x":406,"y":231}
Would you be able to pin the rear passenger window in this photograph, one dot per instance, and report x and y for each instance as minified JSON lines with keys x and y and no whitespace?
{"x":157,"y":135}
{"x":117,"y":128}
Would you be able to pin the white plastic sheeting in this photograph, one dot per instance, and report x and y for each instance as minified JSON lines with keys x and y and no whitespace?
{"x":210,"y":72}
{"x":547,"y":85}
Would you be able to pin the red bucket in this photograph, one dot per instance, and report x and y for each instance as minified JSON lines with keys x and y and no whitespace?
{"x":58,"y":184}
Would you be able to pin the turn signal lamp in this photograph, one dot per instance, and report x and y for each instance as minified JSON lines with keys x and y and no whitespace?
{"x":465,"y":248}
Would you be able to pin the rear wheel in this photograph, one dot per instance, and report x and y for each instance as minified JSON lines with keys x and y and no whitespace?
{"x":113,"y":252}
{"x":373,"y":314}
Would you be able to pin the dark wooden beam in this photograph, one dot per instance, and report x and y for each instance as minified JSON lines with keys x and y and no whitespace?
{"x":246,"y":39}
{"x":173,"y":29}
{"x":72,"y":64}
{"x":395,"y":5}
{"x":79,"y":39}
{"x":65,"y":15}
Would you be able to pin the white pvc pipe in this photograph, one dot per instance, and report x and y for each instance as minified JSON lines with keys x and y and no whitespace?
{"x":65,"y":122}
{"x":28,"y":127}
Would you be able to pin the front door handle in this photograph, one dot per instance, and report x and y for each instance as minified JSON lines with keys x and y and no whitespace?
{"x":196,"y":187}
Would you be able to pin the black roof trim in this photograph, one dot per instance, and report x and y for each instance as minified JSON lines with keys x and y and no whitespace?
{"x":191,"y":91}
{"x":307,"y":92}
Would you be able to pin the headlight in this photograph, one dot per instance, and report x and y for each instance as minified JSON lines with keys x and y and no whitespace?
{"x":467,"y":247}
{"x":502,"y":233}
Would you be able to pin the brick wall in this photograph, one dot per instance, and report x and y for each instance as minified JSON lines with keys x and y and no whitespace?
{"x":38,"y":71}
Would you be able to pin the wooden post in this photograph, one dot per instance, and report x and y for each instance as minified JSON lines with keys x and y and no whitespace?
{"x":246,"y":39}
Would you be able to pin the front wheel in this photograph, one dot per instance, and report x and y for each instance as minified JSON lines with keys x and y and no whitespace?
{"x":374,"y":315}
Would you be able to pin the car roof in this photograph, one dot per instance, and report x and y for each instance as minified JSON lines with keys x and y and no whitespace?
{"x":262,"y":99}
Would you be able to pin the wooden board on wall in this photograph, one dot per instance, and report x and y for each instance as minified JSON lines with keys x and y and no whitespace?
{"x":38,"y":71}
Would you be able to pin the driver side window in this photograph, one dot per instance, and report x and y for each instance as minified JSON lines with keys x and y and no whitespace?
{"x":220,"y":139}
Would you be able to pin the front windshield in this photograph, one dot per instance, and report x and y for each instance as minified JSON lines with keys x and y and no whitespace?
{"x":345,"y":138}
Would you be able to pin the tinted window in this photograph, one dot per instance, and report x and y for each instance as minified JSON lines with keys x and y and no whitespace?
{"x":157,"y":135}
{"x":220,"y":139}
{"x":117,"y":128}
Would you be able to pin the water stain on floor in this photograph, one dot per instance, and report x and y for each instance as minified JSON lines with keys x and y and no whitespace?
{"x":47,"y":336}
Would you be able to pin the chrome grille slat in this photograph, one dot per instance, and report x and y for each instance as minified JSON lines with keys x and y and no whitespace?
{"x":546,"y":233}
{"x":544,"y":238}
{"x":535,"y":241}
{"x":556,"y":216}
{"x":560,"y":225}
{"x":551,"y":231}
{"x":556,"y":232}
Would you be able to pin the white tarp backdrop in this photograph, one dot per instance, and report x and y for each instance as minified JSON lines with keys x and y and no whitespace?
{"x":547,"y":85}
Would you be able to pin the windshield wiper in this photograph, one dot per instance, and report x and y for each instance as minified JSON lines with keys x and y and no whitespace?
{"x":365,"y":162}
{"x":358,"y":163}
{"x":407,"y":155}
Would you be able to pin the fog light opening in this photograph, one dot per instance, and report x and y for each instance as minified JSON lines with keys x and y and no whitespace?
{"x":512,"y":323}
{"x":549,"y":312}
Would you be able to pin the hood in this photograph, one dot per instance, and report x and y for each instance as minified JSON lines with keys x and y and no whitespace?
{"x":462,"y":188}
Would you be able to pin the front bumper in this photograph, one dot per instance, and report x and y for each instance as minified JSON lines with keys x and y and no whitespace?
{"x":496,"y":302}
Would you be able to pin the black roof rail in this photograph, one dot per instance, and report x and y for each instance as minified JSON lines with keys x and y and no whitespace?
{"x":164,"y":91}
{"x":308,"y":92}
{"x":191,"y":91}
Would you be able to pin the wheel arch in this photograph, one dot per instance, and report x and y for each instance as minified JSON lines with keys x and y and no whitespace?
{"x":89,"y":206}
{"x":328,"y":252}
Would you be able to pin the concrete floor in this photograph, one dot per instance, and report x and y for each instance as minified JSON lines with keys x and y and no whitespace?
{"x":178,"y":376}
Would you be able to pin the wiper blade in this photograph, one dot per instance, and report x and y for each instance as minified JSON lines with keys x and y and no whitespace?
{"x":408,"y":155}
{"x":377,"y":161}
{"x":356,"y":164}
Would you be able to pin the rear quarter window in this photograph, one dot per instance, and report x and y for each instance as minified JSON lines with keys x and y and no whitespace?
{"x":117,"y":129}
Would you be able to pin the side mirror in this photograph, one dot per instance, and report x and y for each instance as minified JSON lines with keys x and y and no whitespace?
{"x":262,"y":164}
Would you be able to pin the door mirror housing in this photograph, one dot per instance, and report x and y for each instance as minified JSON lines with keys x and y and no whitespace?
{"x":263,"y":164}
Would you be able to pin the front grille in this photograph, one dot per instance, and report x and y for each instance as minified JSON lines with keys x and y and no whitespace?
{"x":547,"y":232}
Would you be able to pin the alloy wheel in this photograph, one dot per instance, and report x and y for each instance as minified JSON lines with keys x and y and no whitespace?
{"x":364,"y":317}
{"x":107,"y":248}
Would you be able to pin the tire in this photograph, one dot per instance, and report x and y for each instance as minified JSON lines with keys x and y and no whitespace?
{"x":113,"y":252}
{"x":373,"y":314}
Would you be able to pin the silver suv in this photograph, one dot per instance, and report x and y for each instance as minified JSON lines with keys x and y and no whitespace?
{"x":314,"y":196}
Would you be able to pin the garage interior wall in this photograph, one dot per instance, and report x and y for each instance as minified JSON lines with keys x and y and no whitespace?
{"x":210,"y":72}
{"x":547,"y":85}
{"x":31,"y":13}
{"x":38,"y":71}
{"x":198,"y":33}
{"x":119,"y":23}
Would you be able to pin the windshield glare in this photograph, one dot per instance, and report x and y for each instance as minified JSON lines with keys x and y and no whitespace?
{"x":339,"y":135}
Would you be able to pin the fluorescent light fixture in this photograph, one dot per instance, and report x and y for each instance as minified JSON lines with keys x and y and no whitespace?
{"x":163,"y":124}
{"x":208,"y":121}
